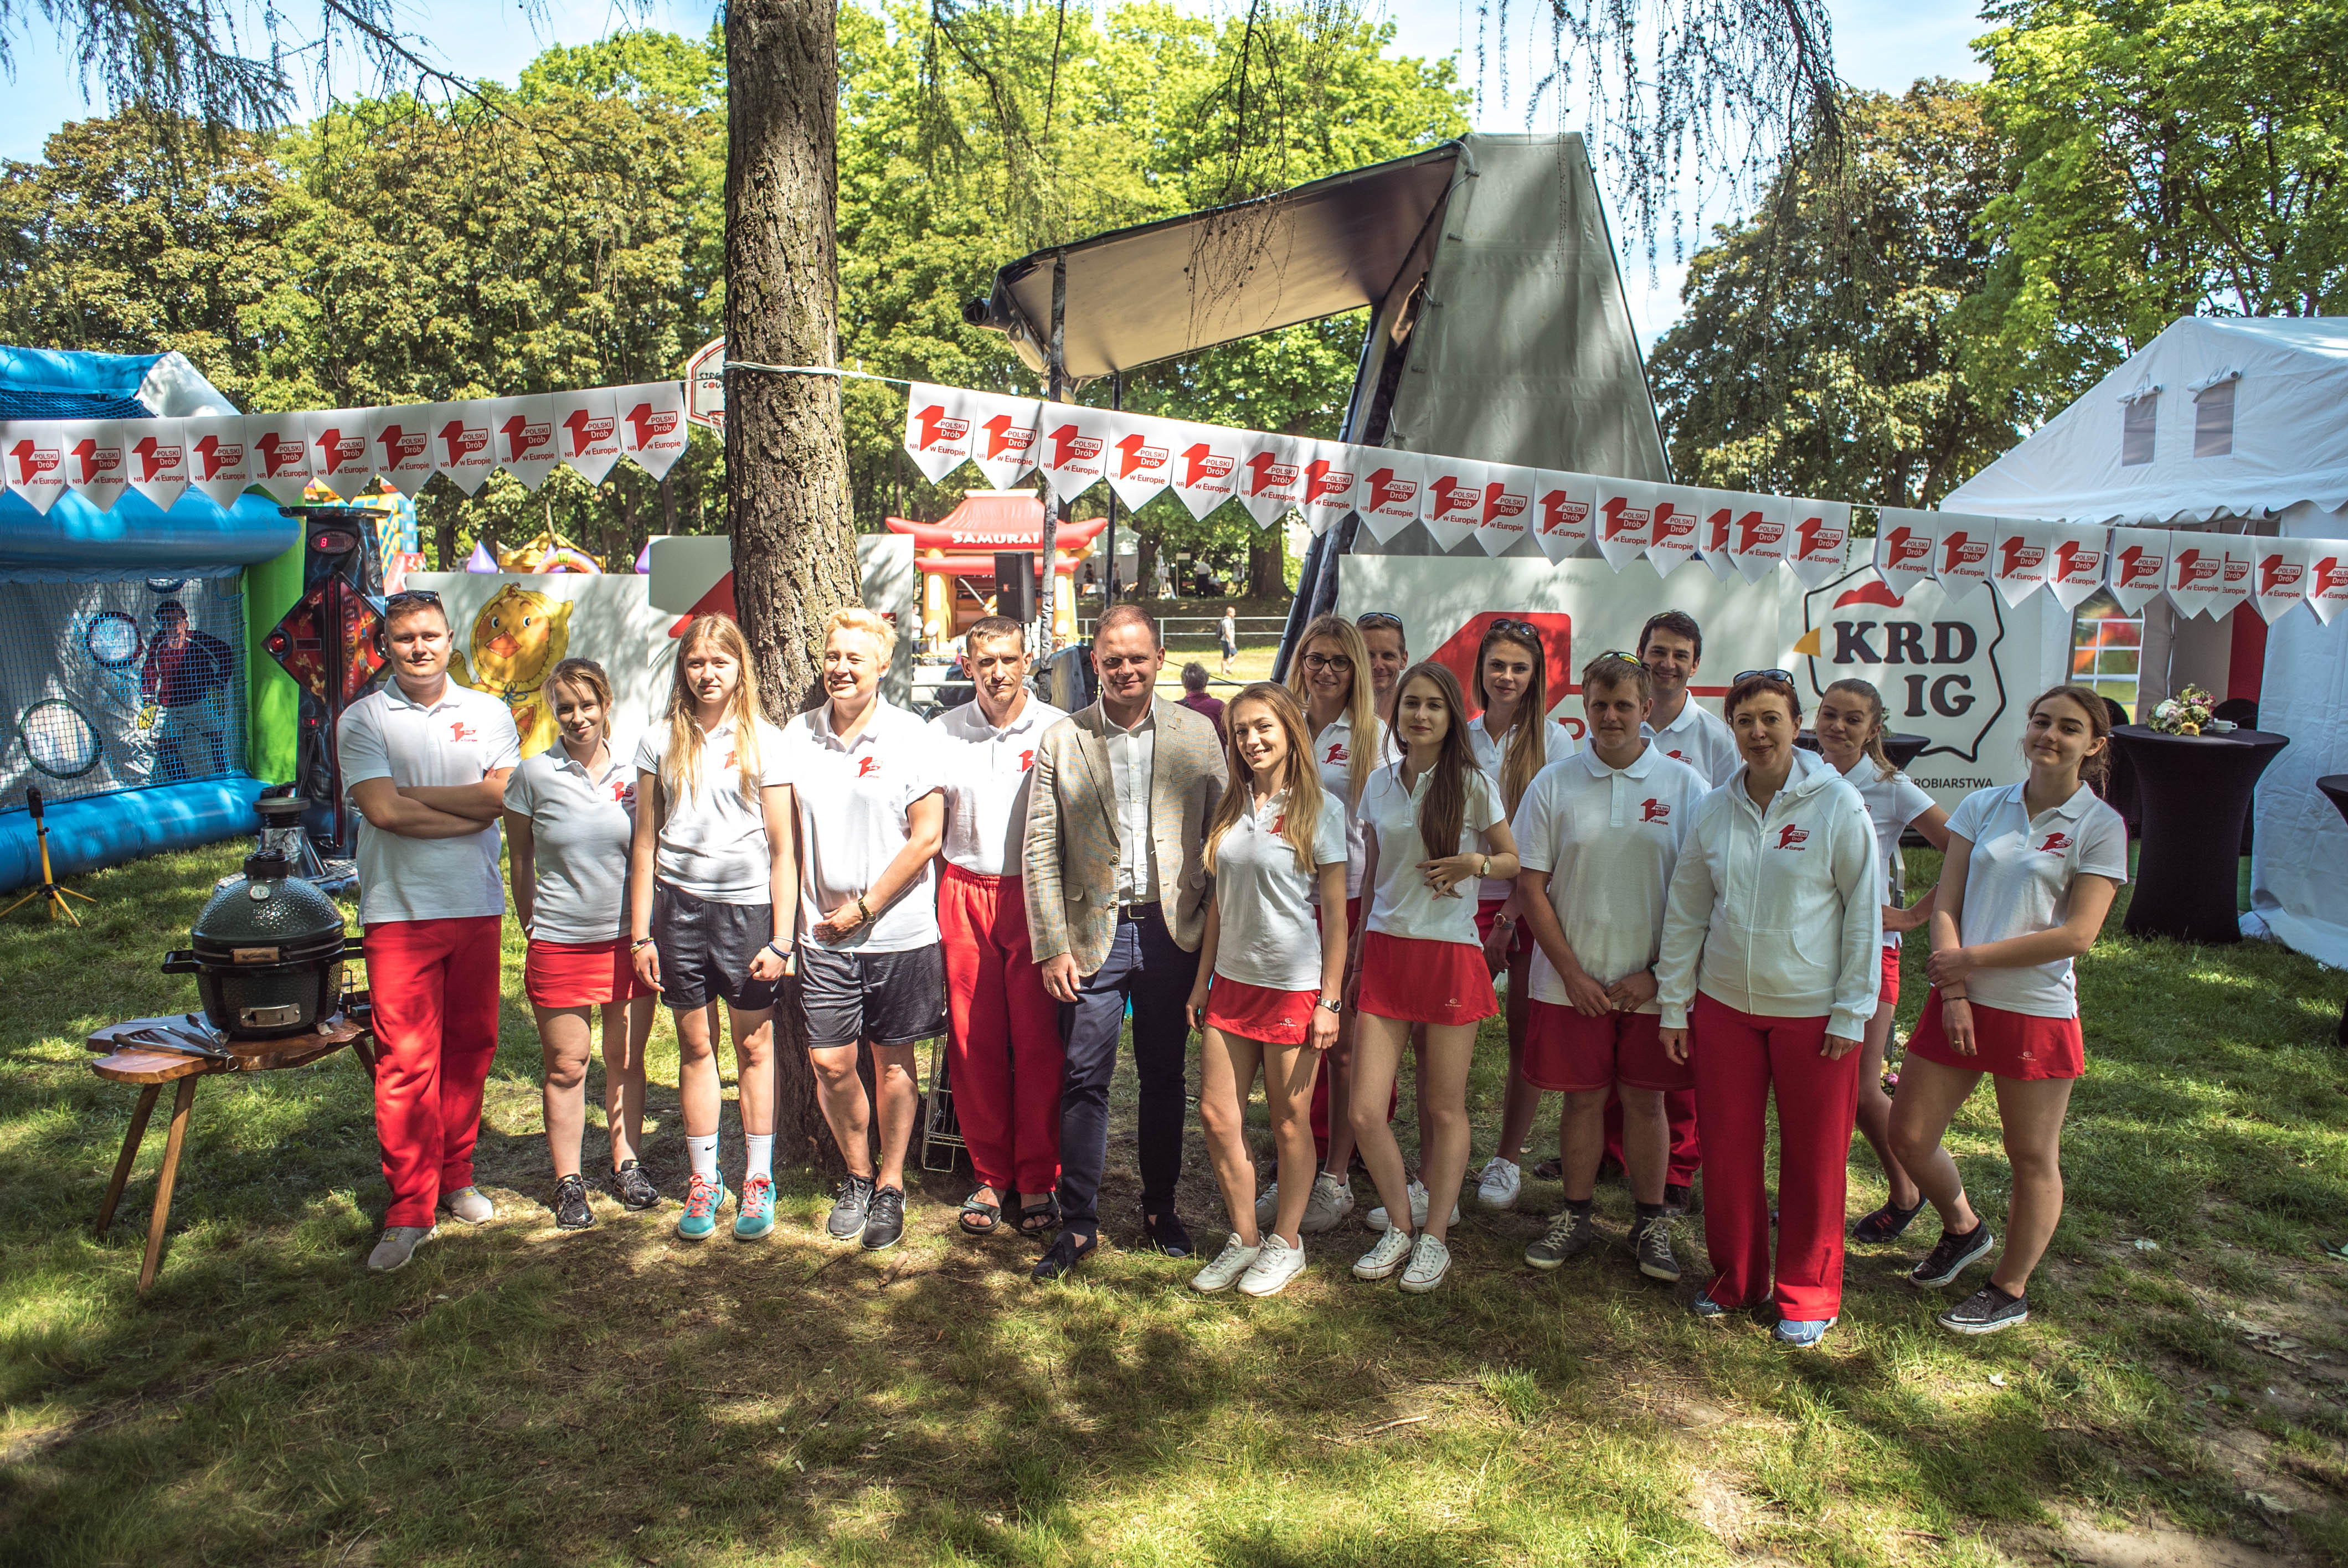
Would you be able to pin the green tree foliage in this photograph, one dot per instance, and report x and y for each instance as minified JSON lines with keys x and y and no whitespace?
{"x":2165,"y":158}
{"x":1819,"y":352}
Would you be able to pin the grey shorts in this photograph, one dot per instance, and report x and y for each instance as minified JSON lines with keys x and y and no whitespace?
{"x":706,"y":948}
{"x":889,"y":998}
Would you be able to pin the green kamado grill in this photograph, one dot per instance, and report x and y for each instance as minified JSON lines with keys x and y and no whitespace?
{"x":267,"y":952}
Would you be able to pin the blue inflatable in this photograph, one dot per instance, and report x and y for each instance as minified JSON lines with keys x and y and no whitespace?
{"x":108,"y":829}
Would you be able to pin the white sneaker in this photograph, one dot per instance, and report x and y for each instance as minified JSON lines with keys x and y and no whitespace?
{"x":1430,"y":1260}
{"x":397,"y":1245}
{"x":1267,"y":1206}
{"x":1499,"y":1185}
{"x":1376,"y":1219}
{"x":1276,"y":1263}
{"x":1381,"y":1261}
{"x":469,"y":1205}
{"x":1224,"y":1272}
{"x":1331,"y":1202}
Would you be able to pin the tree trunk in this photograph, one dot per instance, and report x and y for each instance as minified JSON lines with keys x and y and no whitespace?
{"x":785,"y":447}
{"x":1144,"y":565}
{"x":1268,"y":566}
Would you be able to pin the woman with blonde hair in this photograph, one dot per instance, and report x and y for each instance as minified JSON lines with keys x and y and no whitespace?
{"x":570,"y":823}
{"x":712,"y":885}
{"x":1271,"y":975}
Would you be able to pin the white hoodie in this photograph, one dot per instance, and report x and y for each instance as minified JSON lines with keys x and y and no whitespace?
{"x":1783,"y":910}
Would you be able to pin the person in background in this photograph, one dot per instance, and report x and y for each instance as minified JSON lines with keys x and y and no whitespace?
{"x":1435,"y":826}
{"x":868,"y":778}
{"x":713,"y":885}
{"x":1195,"y":698}
{"x":1772,"y":942}
{"x":1117,"y":892}
{"x":2031,"y":870}
{"x":569,"y":815}
{"x":1382,"y":634}
{"x":1165,"y":579}
{"x":1514,"y":739}
{"x":187,"y":682}
{"x":1850,"y":726}
{"x":1229,"y":634}
{"x":1599,"y":836}
{"x":425,"y":761}
{"x":1004,"y":1057}
{"x":1271,"y":973}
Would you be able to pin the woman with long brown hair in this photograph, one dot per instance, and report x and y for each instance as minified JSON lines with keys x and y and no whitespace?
{"x":1270,"y":977}
{"x":1436,"y":824}
{"x":1514,"y":739}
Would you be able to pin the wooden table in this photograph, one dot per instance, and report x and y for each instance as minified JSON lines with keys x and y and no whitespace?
{"x":143,"y":1052}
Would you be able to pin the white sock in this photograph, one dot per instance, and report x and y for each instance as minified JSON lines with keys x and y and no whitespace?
{"x":762,"y":1155}
{"x":703,"y":1152}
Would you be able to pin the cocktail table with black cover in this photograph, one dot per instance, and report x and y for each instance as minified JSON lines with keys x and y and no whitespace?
{"x":2195,"y":793}
{"x":2336,"y":790}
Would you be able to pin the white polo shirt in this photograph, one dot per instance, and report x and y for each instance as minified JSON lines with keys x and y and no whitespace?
{"x":581,"y":825}
{"x":1891,"y":805}
{"x":1402,"y":904}
{"x":1556,"y":747}
{"x":1700,"y":738}
{"x":1266,"y":935}
{"x":854,"y":798}
{"x":987,"y":774}
{"x":461,"y":739}
{"x":712,"y":842}
{"x":1608,"y":838}
{"x":1333,"y":754}
{"x":1132,"y":766}
{"x":2018,"y":881}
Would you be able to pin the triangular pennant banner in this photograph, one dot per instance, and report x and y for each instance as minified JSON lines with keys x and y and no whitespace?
{"x":1507,"y":511}
{"x":1562,"y":503}
{"x":1391,"y":491}
{"x":463,"y":445}
{"x":2279,"y":575}
{"x":1453,"y":500}
{"x":1333,"y":482}
{"x":1206,"y":467}
{"x":94,"y":465}
{"x":1960,"y":555}
{"x":937,"y":429}
{"x":2196,"y":566}
{"x":339,"y":458}
{"x":1075,"y":448}
{"x":2327,"y":577}
{"x":158,"y":460}
{"x":586,"y":431}
{"x":1820,"y":550}
{"x":2020,"y":558}
{"x":2075,"y":562}
{"x":34,"y":454}
{"x":1716,"y":520}
{"x":278,"y":447}
{"x":1272,"y":475}
{"x":1674,"y":520}
{"x":1905,"y":544}
{"x":218,"y":461}
{"x":521,"y":429}
{"x":1759,"y":536}
{"x":1140,"y":458}
{"x":399,"y":440}
{"x":653,"y":426}
{"x":1003,"y":439}
{"x":2138,"y":566}
{"x":2234,"y":578}
{"x":1625,"y":520}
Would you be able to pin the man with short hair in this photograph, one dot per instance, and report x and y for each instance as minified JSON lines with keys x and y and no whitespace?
{"x":186,"y":682}
{"x":424,"y":761}
{"x":1195,"y":698}
{"x":1670,"y":645}
{"x":1117,"y":892}
{"x":1003,"y":1058}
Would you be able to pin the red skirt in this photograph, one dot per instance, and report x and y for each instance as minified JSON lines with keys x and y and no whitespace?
{"x":1352,"y":922}
{"x":1259,"y":1012}
{"x":1488,"y":910}
{"x":580,"y":974}
{"x":1419,"y":981}
{"x":1889,"y":995}
{"x":2007,"y":1044}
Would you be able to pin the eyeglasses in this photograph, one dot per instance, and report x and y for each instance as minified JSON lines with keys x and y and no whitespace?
{"x":1377,"y":621}
{"x":1745,"y":675}
{"x":1337,"y":661}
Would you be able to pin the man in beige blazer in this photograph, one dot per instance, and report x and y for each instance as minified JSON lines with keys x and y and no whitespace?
{"x":1116,"y":898}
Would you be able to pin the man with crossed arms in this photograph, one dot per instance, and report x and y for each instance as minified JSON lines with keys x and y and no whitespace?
{"x":1116,"y":894}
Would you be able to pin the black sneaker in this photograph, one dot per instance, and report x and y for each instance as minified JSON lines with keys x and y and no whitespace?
{"x":1985,"y":1311}
{"x":1953,"y":1256}
{"x":1884,"y":1225}
{"x":570,"y":1210}
{"x":884,"y":1221}
{"x":633,"y":1188}
{"x":1551,"y":1169}
{"x":1651,"y":1240}
{"x":1678,"y":1198}
{"x":848,"y":1210}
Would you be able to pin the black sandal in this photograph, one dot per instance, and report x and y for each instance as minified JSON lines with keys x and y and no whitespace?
{"x":973,"y":1209}
{"x":1039,"y":1220}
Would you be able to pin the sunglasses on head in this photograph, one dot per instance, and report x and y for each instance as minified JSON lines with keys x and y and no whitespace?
{"x":1625,"y":657}
{"x":1377,"y":621}
{"x":410,"y":595}
{"x":1744,"y":675}
{"x":1524,"y":629}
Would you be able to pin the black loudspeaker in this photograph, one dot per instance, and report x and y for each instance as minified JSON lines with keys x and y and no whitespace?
{"x":1015,"y":585}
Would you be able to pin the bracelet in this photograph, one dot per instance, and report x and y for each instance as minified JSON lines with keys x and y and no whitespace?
{"x":862,"y":910}
{"x":639,"y":944}
{"x":781,"y":953}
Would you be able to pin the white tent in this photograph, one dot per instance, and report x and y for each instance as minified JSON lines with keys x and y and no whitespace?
{"x":2239,"y":426}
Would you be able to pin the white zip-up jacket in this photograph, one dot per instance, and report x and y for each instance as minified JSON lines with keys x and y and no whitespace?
{"x":1777,"y":914}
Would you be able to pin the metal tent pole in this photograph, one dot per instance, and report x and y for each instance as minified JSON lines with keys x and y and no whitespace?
{"x":1056,"y":389}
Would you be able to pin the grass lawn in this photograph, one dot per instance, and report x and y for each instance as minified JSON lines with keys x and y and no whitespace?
{"x":616,"y":1397}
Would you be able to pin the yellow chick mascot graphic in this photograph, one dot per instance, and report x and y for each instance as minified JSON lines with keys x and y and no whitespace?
{"x":517,"y":638}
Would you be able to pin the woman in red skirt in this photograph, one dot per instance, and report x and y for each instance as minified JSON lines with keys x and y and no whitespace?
{"x":1270,"y":978}
{"x":569,"y":816}
{"x":2031,"y":870}
{"x":1434,"y":826}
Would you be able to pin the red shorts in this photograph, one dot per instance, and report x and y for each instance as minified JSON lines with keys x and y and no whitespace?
{"x":1259,"y":1012}
{"x":580,"y":974}
{"x":1419,"y":981}
{"x":1888,"y":997}
{"x":1352,"y":922}
{"x":1488,"y":910}
{"x":2006,"y":1044}
{"x":1565,"y":1050}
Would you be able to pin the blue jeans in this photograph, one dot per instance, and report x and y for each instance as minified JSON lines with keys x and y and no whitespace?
{"x":1145,"y":965}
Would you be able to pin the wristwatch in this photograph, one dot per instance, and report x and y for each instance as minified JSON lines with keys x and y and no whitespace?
{"x":1333,"y":1004}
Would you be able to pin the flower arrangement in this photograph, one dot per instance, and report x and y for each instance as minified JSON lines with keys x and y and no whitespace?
{"x":2186,"y":713}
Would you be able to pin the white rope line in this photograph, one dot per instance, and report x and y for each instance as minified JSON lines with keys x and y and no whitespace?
{"x":814,"y":369}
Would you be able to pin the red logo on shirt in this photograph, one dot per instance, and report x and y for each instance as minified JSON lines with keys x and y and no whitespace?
{"x":1654,"y":811}
{"x":1278,"y":823}
{"x":1791,"y":836}
{"x":729,"y":761}
{"x":2055,"y":842}
{"x":1026,"y":761}
{"x":460,"y":731}
{"x":621,"y":790}
{"x":1336,"y":751}
{"x":868,"y":767}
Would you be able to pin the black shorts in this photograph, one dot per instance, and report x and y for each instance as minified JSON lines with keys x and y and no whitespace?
{"x":889,"y":998}
{"x":706,"y":948}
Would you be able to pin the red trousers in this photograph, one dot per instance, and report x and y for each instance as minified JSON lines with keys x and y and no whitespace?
{"x":1739,"y":1059}
{"x":1679,"y":1110}
{"x":435,"y":984}
{"x":1003,"y":1054}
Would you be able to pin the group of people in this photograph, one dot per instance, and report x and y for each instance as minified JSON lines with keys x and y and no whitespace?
{"x":1690,"y":914}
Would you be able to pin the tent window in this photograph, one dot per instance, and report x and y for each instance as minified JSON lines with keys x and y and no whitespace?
{"x":2213,"y":420}
{"x":2136,"y":430}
